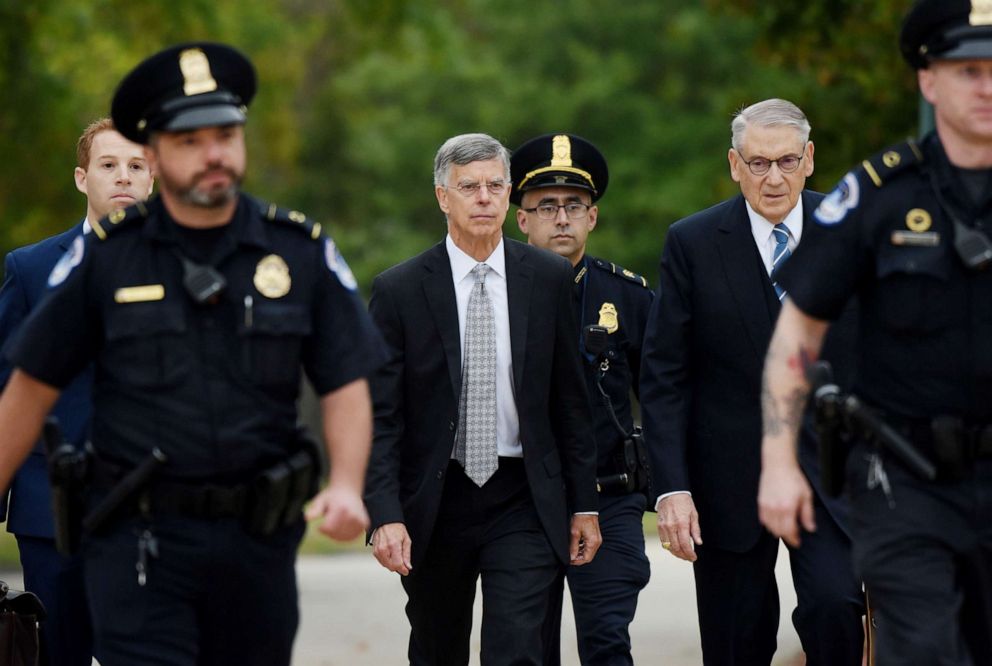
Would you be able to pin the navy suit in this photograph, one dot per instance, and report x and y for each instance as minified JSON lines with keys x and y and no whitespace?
{"x":703,"y":358}
{"x":56,"y":580}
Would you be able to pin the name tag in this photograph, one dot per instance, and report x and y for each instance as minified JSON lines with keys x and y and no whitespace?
{"x":140,"y":294}
{"x":916,"y":238}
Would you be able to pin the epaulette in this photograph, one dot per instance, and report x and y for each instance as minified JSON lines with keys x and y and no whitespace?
{"x":886,"y":164}
{"x":118,"y":218}
{"x":293,"y":218}
{"x":619,"y":271}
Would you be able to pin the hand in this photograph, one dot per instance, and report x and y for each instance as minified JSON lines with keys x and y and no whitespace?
{"x":783,"y":495}
{"x":342,"y":513}
{"x":586,"y":539}
{"x":391,"y":547}
{"x":678,"y":526}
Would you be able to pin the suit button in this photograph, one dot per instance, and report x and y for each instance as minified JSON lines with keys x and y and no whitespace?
{"x":440,"y":474}
{"x":451,"y":425}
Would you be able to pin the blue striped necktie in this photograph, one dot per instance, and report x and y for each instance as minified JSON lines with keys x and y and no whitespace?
{"x":779,"y":255}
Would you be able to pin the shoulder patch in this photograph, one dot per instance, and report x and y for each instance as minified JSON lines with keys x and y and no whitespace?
{"x":619,"y":271}
{"x":293,"y":218}
{"x":835,"y":205}
{"x":338,"y":266}
{"x":886,"y":164}
{"x":119,"y":218}
{"x":72,"y":258}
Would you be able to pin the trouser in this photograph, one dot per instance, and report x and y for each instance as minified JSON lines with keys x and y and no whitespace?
{"x":214,"y":595}
{"x":738,"y":603}
{"x":604,"y":592}
{"x":493,"y":532}
{"x":925,"y":554}
{"x":66,"y":635}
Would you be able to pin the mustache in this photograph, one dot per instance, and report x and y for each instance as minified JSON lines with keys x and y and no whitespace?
{"x":227,"y":171}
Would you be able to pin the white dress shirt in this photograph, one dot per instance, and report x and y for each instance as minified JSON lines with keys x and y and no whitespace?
{"x":507,"y":420}
{"x":761,"y":229}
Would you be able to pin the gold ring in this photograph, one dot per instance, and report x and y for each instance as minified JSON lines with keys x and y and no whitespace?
{"x":667,"y":545}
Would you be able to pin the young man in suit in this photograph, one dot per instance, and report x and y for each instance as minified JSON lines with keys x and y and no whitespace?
{"x":700,"y":397}
{"x":112,"y":173}
{"x":483,"y":460}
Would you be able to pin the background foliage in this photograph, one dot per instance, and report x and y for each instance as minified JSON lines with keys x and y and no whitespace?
{"x":357,"y":95}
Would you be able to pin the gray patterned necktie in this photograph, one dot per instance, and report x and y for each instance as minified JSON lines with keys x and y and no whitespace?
{"x":475,"y":444}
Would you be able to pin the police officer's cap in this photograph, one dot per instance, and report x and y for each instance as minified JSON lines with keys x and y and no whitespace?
{"x":558,"y":160}
{"x":947,"y":30}
{"x":184,"y":87}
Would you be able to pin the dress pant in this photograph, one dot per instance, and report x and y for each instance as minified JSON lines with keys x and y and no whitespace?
{"x":738,"y":603}
{"x":214,"y":595}
{"x":66,"y":635}
{"x":926,"y":559}
{"x":492,"y":532}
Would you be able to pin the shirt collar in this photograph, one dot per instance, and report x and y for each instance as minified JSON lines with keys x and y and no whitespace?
{"x":87,"y":227}
{"x":761,"y":228}
{"x":462,"y":264}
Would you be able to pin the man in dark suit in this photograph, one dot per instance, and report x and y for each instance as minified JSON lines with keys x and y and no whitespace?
{"x":112,"y":173}
{"x":483,"y":460}
{"x":700,"y":396}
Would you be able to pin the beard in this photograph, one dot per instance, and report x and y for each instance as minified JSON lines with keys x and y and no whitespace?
{"x":194,"y":194}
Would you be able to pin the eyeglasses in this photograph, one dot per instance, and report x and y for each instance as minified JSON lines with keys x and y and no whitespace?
{"x":759,"y":166}
{"x":496,"y":188}
{"x":573,"y":210}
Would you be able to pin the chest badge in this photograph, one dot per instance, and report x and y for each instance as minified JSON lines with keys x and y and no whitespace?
{"x":918,"y":220}
{"x":608,"y":317}
{"x":272,"y":276}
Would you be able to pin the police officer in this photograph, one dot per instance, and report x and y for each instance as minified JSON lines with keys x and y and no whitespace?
{"x":909,"y":232}
{"x":198,"y":309}
{"x":557,"y":180}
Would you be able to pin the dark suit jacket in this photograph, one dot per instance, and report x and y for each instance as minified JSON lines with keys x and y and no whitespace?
{"x":416,"y":393}
{"x":701,"y":372}
{"x":25,"y":284}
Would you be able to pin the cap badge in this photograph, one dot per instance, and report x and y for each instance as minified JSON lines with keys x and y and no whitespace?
{"x":981,"y":12}
{"x":608,"y":317}
{"x":195,"y":67}
{"x":272,"y":276}
{"x":918,"y":220}
{"x":561,"y":151}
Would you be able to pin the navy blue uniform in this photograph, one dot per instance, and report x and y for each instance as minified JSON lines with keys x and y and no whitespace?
{"x":214,"y":387}
{"x":604,"y":592}
{"x":924,"y":549}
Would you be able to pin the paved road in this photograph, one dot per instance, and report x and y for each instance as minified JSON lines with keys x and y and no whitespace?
{"x":352,"y":615}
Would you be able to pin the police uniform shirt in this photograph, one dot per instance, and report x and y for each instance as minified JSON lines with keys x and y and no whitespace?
{"x":213,"y":386}
{"x":618,"y":299}
{"x":925,"y":320}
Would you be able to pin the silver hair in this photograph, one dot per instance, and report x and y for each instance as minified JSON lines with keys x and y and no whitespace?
{"x":769,"y":113}
{"x":466,"y":148}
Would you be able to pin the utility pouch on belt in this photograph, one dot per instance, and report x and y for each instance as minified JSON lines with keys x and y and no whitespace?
{"x":68,"y":468}
{"x":20,"y":613}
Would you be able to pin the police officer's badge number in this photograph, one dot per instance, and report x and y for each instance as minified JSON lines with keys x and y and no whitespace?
{"x":72,"y":258}
{"x":337,"y":264}
{"x":608,"y":317}
{"x":834,"y":207}
{"x":272,"y":276}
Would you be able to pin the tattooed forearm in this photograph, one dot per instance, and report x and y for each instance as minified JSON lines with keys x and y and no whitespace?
{"x":784,"y":413}
{"x":769,"y":412}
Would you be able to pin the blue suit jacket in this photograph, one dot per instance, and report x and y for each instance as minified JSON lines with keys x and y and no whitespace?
{"x":26,"y":270}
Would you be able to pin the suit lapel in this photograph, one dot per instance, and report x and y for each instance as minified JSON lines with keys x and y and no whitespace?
{"x":439,"y":290}
{"x":519,"y":279}
{"x":744,"y":275}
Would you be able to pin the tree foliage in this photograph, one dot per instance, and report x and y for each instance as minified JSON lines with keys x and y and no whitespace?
{"x":356,"y":96}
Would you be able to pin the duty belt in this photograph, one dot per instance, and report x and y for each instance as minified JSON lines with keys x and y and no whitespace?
{"x":953,"y":445}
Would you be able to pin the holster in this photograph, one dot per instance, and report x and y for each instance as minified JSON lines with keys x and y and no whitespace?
{"x":68,"y":471}
{"x":631,"y":471}
{"x":277,"y":495}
